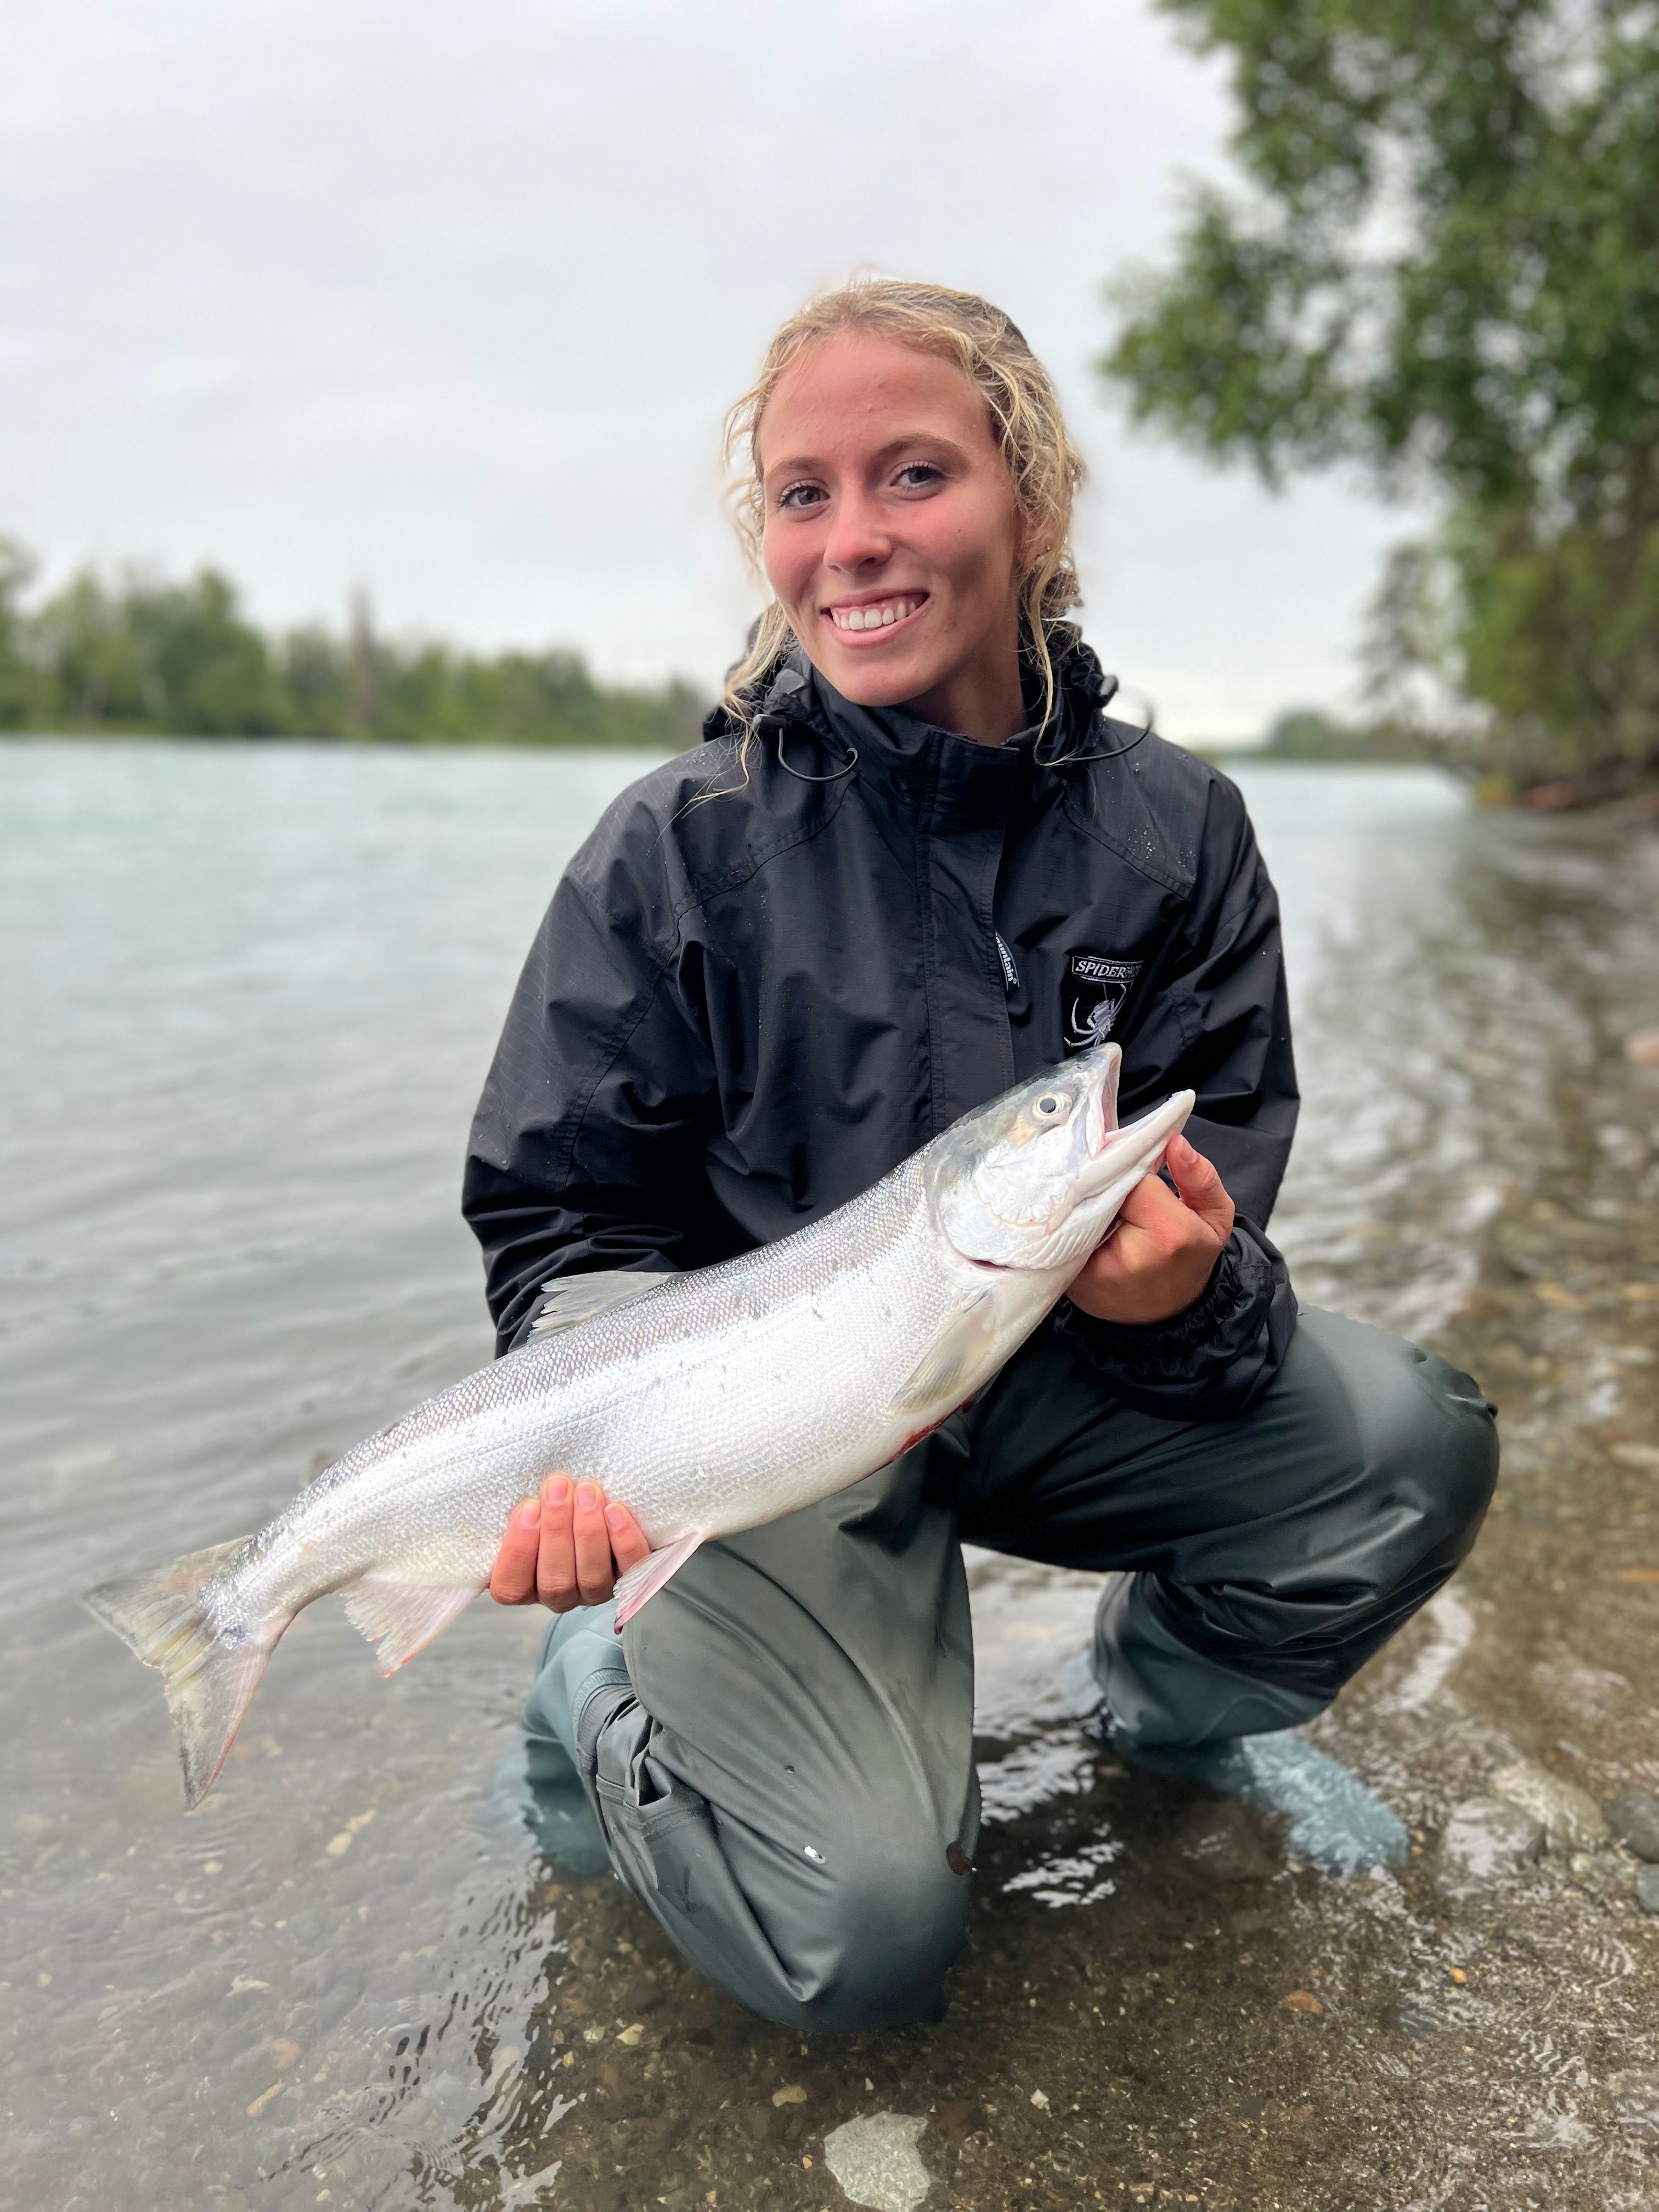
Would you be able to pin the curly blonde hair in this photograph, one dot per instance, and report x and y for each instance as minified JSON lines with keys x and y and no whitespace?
{"x":1044,"y":467}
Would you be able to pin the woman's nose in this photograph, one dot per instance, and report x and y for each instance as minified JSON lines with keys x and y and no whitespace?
{"x":859,"y":536}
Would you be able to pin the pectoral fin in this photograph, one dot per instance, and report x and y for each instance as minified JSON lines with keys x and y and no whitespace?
{"x":950,"y":1363}
{"x":647,"y":1578}
{"x":576,"y":1298}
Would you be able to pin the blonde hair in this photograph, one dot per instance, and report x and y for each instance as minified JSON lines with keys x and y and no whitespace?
{"x":1044,"y":467}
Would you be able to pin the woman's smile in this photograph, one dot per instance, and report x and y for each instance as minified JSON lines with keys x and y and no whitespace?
{"x":858,"y":619}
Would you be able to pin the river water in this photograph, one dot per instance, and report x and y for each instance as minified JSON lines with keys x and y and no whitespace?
{"x":246,"y":998}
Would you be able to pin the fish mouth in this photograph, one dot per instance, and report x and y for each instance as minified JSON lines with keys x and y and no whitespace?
{"x":1137,"y":1149}
{"x":1100,"y":1119}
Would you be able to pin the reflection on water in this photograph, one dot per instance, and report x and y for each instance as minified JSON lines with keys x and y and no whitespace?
{"x":245,"y":999}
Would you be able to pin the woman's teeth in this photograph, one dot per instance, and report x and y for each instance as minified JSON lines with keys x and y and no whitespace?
{"x":876,"y":617}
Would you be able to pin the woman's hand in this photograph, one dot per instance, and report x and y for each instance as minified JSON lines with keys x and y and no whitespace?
{"x":566,"y":1547}
{"x":1163,"y":1249}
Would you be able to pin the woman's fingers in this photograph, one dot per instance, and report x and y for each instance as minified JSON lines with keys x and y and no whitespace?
{"x":513,"y":1577}
{"x":1202,"y":1191}
{"x":556,"y":1569}
{"x":1153,"y":1207}
{"x":595,"y":1576}
{"x":628,"y":1542}
{"x":566,"y":1547}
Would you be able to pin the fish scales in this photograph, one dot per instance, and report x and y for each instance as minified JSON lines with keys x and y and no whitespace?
{"x":713,"y":1401}
{"x":708,"y":1402}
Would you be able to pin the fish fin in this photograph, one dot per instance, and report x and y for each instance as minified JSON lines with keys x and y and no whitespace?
{"x":576,"y":1298}
{"x":647,"y":1578}
{"x":207,"y":1679}
{"x":950,"y":1358}
{"x":402,"y":1617}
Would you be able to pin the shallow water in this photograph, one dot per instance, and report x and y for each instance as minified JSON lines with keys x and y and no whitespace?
{"x":246,"y":998}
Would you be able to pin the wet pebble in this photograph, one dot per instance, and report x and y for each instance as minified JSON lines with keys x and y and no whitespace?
{"x":1572,"y":1818}
{"x":1641,"y":1048}
{"x":1633,"y":1816}
{"x":1647,"y":1890}
{"x":1487,"y":1840}
{"x":876,"y":2162}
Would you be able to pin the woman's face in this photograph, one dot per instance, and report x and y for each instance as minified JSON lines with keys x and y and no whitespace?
{"x":892,"y":539}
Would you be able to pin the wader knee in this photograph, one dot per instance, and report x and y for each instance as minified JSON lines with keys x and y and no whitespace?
{"x":1369,"y":1499}
{"x":1434,"y":1448}
{"x":1414,"y":1463}
{"x":891,"y":1927}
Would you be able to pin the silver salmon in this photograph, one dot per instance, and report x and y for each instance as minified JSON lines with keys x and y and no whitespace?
{"x":708,"y":1402}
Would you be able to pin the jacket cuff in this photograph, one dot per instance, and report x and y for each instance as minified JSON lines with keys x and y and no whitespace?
{"x":1210,"y":1362}
{"x":1153,"y":1344}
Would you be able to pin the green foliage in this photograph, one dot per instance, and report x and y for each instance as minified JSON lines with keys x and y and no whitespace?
{"x":143,"y":654}
{"x":1446,"y":268}
{"x":1306,"y":733}
{"x":20,"y":686}
{"x":153,"y":655}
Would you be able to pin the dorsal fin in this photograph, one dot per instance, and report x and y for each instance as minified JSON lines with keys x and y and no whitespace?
{"x":576,"y":1298}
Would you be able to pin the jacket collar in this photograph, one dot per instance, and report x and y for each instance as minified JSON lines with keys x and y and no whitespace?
{"x":798,"y":697}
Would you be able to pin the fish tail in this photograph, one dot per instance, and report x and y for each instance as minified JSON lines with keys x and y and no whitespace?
{"x":209,"y":1672}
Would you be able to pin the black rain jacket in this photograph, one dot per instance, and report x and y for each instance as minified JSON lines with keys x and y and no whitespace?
{"x":754,"y":993}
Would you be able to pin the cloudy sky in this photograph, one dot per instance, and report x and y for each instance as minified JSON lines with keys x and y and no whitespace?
{"x":446,"y":303}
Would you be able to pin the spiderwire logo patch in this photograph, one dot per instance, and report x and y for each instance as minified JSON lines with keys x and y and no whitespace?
{"x":1095,"y":991}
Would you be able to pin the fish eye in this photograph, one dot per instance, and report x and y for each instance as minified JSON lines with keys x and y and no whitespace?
{"x":1048,"y":1106}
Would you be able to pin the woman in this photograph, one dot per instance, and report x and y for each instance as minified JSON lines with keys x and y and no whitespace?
{"x":916,"y":863}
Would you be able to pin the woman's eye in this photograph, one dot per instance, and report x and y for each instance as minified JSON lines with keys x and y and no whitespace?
{"x":917,"y":475}
{"x":798,"y":495}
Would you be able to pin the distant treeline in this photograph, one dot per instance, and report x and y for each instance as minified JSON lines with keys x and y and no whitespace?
{"x":1306,"y":733}
{"x":139,"y":653}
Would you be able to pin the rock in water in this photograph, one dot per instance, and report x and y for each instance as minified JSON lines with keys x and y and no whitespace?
{"x":1633,"y":1816}
{"x":1572,"y":1819}
{"x":1487,"y":1840}
{"x":877,"y":2163}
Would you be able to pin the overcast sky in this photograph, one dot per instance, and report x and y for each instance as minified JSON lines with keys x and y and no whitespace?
{"x":448,"y":300}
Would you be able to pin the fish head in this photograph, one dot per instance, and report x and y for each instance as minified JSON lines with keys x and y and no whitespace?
{"x":1034,"y":1180}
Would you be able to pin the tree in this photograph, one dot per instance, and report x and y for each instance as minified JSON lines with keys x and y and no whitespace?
{"x":148,"y":655}
{"x":1445,"y":267}
{"x":21,"y":687}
